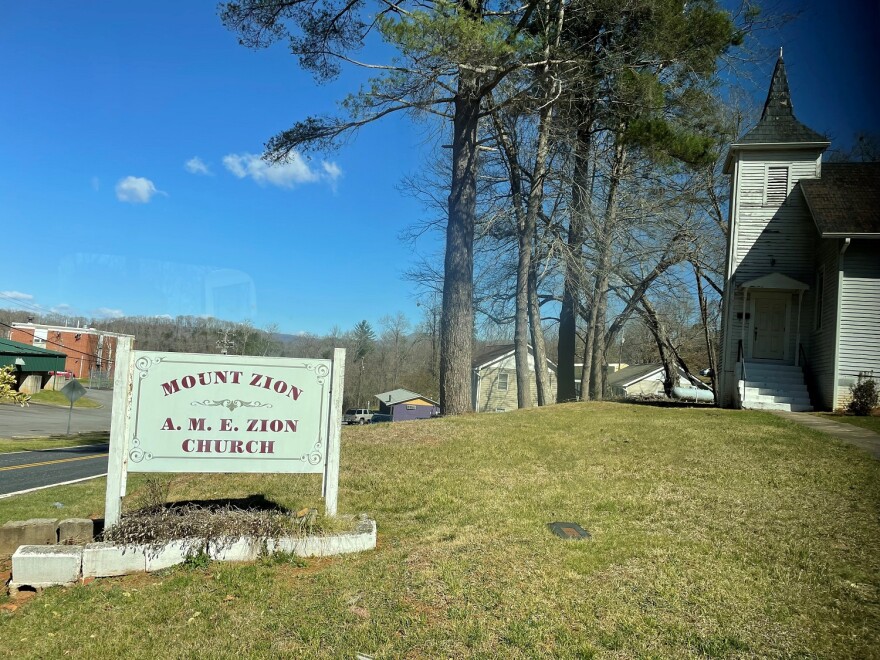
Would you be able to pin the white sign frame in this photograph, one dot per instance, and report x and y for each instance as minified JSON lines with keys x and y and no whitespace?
{"x":140,"y":400}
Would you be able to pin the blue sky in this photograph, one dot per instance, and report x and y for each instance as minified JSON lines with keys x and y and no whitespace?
{"x":130,"y":181}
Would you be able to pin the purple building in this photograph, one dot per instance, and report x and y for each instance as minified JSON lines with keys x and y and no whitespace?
{"x":403,"y":405}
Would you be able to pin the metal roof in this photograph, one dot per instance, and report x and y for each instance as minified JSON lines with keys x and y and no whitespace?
{"x":629,"y":375}
{"x":394,"y":397}
{"x":35,"y":359}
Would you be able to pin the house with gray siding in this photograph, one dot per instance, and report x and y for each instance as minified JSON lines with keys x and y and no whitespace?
{"x":801,"y":303}
{"x":493,"y":379}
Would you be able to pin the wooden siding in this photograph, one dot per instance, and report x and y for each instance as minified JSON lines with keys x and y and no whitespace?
{"x":823,"y":341}
{"x":859,"y":343}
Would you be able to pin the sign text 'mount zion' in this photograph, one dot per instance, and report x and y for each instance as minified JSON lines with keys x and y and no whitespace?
{"x":223,"y":413}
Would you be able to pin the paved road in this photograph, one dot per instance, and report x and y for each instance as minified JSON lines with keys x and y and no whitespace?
{"x":40,"y":420}
{"x":28,"y":470}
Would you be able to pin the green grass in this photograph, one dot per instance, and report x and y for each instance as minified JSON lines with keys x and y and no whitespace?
{"x":53,"y":442}
{"x":715,"y":534}
{"x":57,"y":398}
{"x":871,"y":423}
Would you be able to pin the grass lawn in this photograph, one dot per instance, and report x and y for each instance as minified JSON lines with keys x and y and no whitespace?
{"x":53,"y":442}
{"x":715,"y":534}
{"x":872,"y":423}
{"x":56,"y":398}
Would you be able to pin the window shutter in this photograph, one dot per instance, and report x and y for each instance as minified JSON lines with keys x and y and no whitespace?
{"x":777,"y":185}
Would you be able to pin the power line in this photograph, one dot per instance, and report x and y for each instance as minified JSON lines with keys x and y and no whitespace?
{"x":27,"y":306}
{"x":55,"y":343}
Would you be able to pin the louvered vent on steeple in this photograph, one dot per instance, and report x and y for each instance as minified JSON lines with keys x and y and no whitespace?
{"x":777,"y":185}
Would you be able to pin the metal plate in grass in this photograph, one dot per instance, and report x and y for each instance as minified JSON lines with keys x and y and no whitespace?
{"x":569,"y":531}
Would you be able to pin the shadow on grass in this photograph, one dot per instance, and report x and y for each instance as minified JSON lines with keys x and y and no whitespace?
{"x":663,"y":403}
{"x":249,"y":503}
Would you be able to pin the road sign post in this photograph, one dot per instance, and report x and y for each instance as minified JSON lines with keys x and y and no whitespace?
{"x":73,"y":391}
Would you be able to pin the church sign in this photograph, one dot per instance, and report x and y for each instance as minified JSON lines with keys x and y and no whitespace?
{"x":220,"y":413}
{"x":189,"y":412}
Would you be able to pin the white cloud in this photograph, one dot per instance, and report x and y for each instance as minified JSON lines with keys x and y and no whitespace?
{"x":96,"y":183}
{"x":136,"y":190}
{"x":332,"y":170}
{"x":295,"y":171}
{"x":196,"y":165}
{"x":16,"y":295}
{"x":106,"y":312}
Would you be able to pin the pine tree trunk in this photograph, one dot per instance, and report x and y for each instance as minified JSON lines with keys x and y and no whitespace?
{"x":572,"y":286}
{"x":457,"y":318}
{"x":603,"y":275}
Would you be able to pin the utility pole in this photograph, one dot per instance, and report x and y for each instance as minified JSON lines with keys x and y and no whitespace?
{"x":225,"y":343}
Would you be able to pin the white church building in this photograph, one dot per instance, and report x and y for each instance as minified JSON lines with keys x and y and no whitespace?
{"x":801,"y":303}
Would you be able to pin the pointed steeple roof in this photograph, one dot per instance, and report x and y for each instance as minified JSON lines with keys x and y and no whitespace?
{"x":778,"y":123}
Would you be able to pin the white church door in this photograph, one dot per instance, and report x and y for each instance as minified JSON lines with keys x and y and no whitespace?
{"x":770,"y":325}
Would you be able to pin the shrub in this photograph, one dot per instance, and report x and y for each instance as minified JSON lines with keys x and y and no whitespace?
{"x":864,"y":396}
{"x":7,"y":387}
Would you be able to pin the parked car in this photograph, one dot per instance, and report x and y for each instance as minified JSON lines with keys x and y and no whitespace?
{"x":357,"y":416}
{"x":380,"y":417}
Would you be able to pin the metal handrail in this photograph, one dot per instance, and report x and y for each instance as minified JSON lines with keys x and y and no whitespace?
{"x":741,"y":359}
{"x":812,"y":390}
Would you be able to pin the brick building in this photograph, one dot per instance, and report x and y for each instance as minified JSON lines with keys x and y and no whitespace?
{"x":87,"y":349}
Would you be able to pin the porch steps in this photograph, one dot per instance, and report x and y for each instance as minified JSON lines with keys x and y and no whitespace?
{"x":775,"y":387}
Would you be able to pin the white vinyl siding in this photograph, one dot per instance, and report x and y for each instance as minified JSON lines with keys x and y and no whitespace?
{"x":859,"y":342}
{"x":775,"y":235}
{"x":823,"y":340}
{"x":489,"y":394}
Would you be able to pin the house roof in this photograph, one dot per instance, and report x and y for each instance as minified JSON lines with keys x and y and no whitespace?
{"x":495,"y":353}
{"x":778,"y":123}
{"x":34,"y":358}
{"x":394,"y":397}
{"x":846,"y":200}
{"x":629,"y":375}
{"x":9,"y":347}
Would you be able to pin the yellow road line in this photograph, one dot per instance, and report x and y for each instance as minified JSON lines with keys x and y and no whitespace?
{"x":60,"y":460}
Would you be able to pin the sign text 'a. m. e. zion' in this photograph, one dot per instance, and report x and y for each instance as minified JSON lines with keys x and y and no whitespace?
{"x":243,"y":414}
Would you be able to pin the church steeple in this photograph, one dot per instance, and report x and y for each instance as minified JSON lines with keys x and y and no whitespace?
{"x":778,"y":103}
{"x":778,"y":123}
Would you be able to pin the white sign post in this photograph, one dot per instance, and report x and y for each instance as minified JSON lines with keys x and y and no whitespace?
{"x":189,"y":412}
